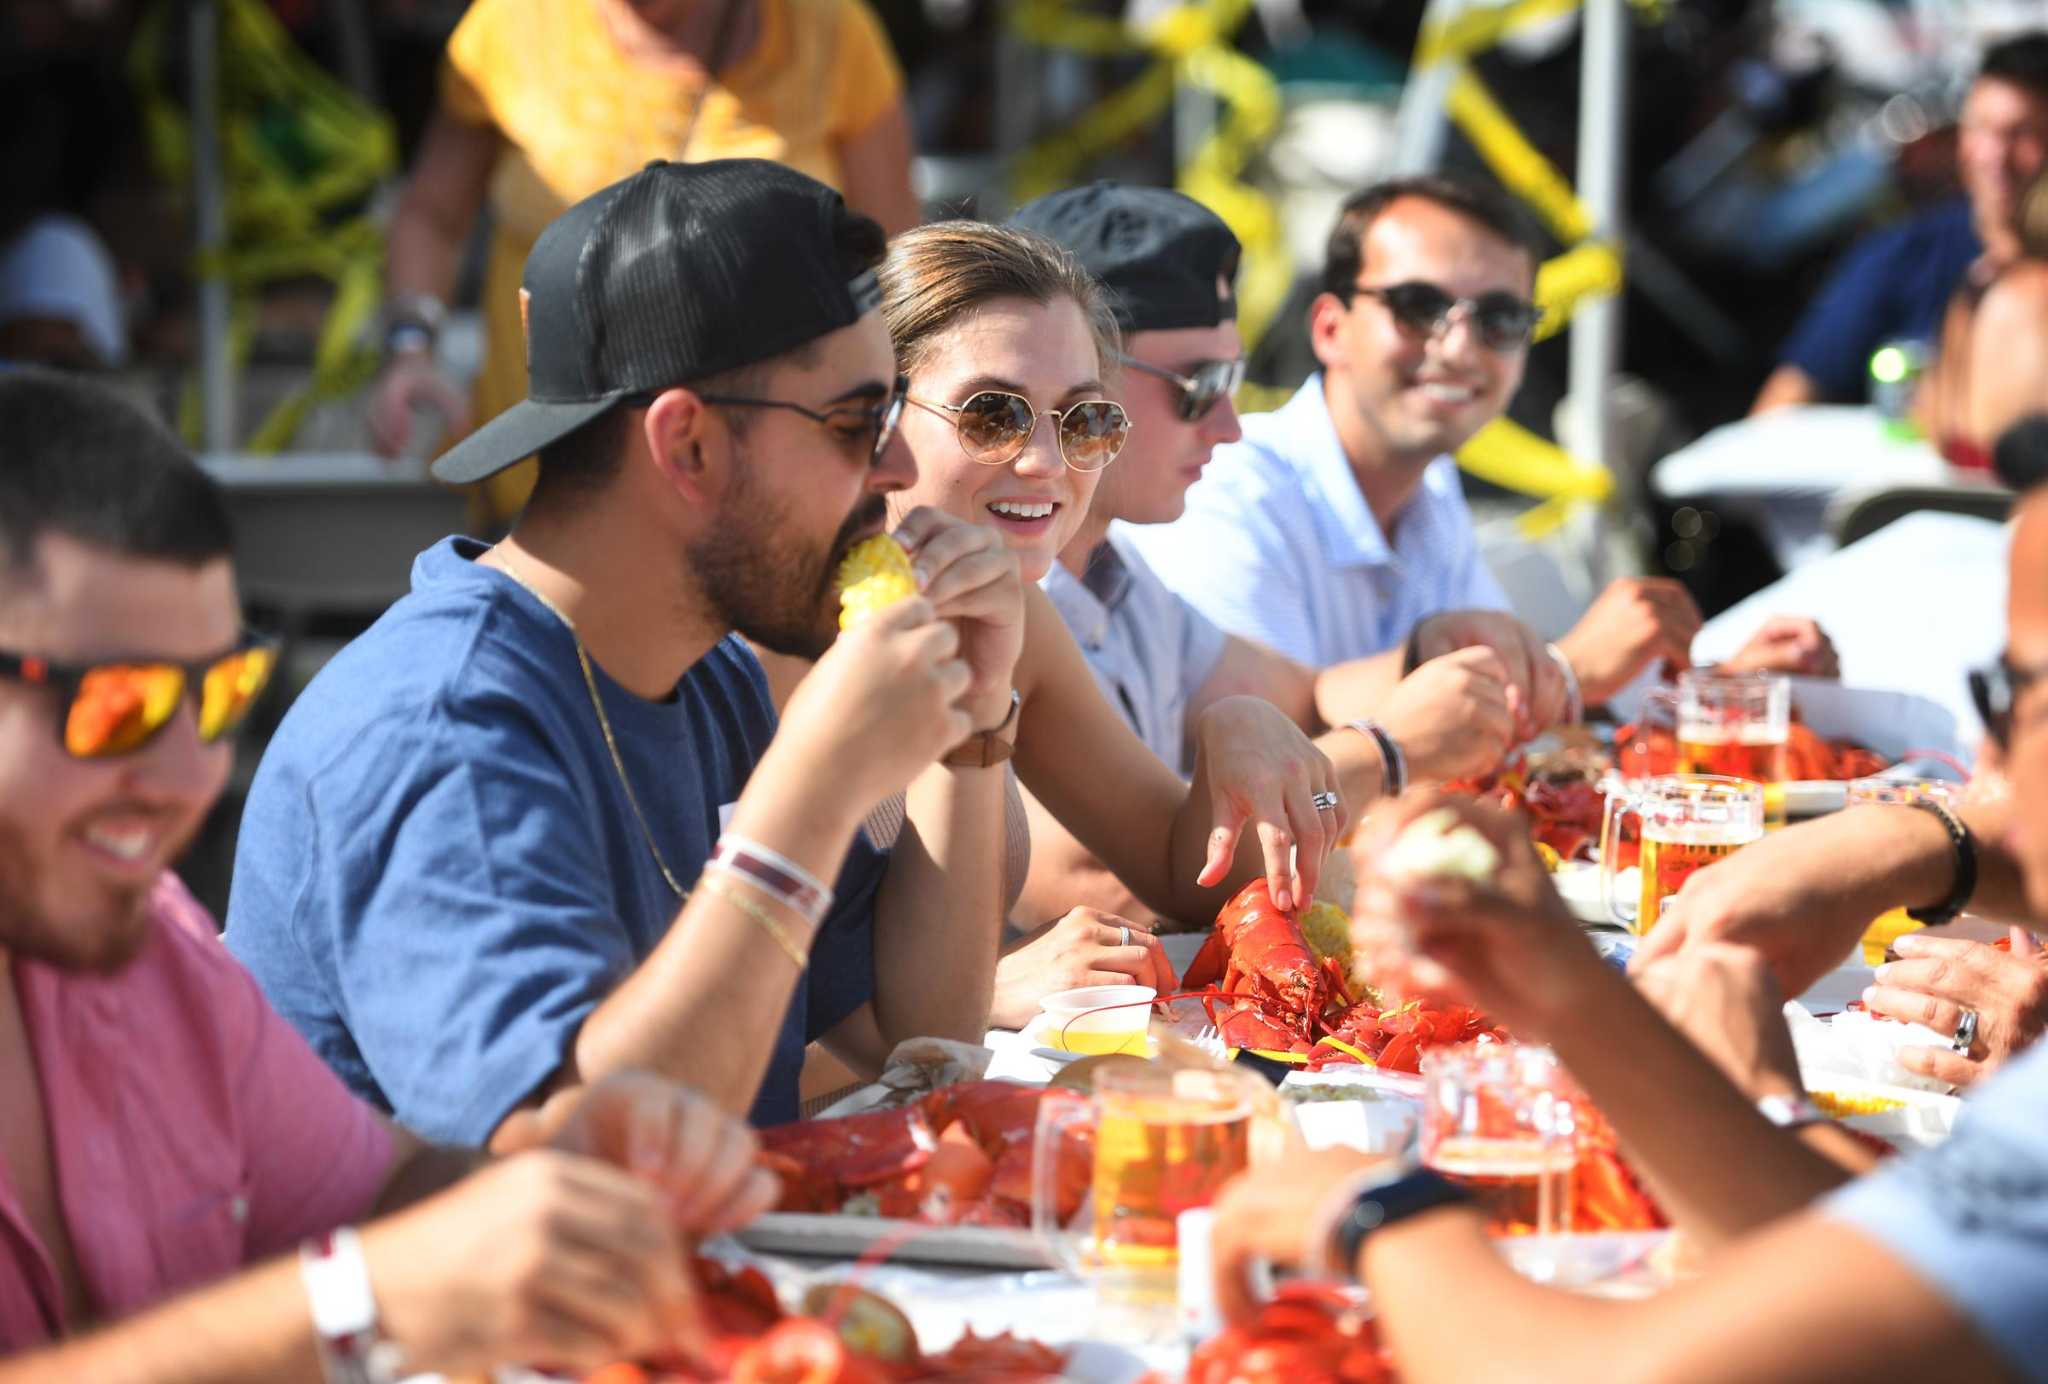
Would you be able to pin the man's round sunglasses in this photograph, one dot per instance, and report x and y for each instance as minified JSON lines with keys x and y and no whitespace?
{"x":117,"y":707}
{"x":858,"y":426}
{"x":994,"y":426}
{"x":1208,"y":385}
{"x":1996,"y":689}
{"x":1504,"y":322}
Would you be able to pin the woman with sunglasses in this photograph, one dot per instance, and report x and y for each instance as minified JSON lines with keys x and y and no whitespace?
{"x":1011,"y":353}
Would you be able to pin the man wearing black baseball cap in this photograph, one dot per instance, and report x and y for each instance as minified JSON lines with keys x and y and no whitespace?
{"x":1170,"y":264}
{"x":500,"y":846}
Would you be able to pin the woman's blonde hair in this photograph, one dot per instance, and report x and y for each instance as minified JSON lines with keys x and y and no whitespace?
{"x":937,"y":274}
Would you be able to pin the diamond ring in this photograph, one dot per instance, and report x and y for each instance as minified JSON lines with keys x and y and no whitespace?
{"x":1966,"y":1032}
{"x":1324,"y":801}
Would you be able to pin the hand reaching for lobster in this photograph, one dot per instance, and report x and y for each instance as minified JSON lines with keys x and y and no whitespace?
{"x":703,"y":1159}
{"x":1787,"y":644}
{"x":1086,"y":947}
{"x":1509,"y":946}
{"x":1635,"y":622}
{"x":1257,"y":769}
{"x":1534,"y":686}
{"x":1453,"y":716}
{"x":1280,"y":1222}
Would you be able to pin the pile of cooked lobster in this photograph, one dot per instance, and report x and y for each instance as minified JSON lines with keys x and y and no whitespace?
{"x":1560,"y":792}
{"x":1267,"y":987}
{"x":958,"y":1156}
{"x":845,"y":1335}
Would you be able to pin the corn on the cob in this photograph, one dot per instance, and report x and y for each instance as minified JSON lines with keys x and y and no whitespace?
{"x":1327,"y":930}
{"x":874,"y":575}
{"x":1838,"y":1106}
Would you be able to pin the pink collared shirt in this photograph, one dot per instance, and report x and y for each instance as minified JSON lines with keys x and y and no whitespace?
{"x":191,"y":1129}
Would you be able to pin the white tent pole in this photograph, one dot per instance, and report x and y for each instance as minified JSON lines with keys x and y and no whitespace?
{"x":1421,"y":127}
{"x":209,"y":198}
{"x":1603,"y":102}
{"x":1596,"y":326}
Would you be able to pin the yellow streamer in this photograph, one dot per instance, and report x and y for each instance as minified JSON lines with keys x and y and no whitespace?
{"x":302,"y":155}
{"x":1591,"y":270}
{"x":1511,"y":456}
{"x":1521,"y":168}
{"x":1478,"y":30}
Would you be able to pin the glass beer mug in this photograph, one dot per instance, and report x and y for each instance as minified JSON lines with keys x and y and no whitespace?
{"x":1497,"y":1118}
{"x":1685,"y":821}
{"x":1164,"y":1141}
{"x":1737,"y":725}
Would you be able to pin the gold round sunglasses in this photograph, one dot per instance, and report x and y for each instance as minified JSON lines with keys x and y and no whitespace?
{"x":994,"y":426}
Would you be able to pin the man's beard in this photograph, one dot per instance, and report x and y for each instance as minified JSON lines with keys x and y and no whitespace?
{"x":759,"y":581}
{"x":103,"y":940}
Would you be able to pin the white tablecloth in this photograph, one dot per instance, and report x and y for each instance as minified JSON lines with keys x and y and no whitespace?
{"x":1911,"y":608}
{"x":1782,"y":470}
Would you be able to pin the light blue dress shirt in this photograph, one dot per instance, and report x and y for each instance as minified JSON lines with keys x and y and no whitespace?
{"x":1278,"y":545}
{"x":1971,"y":1216}
{"x":1150,"y":650}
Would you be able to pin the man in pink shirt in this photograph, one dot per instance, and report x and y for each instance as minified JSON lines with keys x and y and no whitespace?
{"x":161,"y":1127}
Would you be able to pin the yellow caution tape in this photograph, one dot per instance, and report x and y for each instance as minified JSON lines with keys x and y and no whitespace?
{"x":301,"y":157}
{"x":1590,"y":270}
{"x":1477,"y":30}
{"x":1516,"y":162}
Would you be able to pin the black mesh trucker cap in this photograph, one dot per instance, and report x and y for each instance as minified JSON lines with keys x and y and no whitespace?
{"x":1160,"y":253}
{"x":681,"y":271}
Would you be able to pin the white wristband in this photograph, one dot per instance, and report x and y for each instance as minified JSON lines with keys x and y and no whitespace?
{"x":352,"y":1350}
{"x":1574,"y":702}
{"x":1790,"y":1112}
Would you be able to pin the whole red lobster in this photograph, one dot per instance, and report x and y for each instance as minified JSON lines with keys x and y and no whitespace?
{"x":1276,"y":996}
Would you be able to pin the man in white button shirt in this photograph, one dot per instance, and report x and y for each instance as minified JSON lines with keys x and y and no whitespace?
{"x":1169,"y":263}
{"x":1337,"y":525}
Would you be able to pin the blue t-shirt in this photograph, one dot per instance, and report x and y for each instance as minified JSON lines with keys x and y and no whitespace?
{"x":440,"y":876}
{"x":1971,"y":1215}
{"x":1893,"y":285}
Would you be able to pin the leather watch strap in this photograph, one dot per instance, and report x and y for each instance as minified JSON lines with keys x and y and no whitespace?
{"x":986,"y":748}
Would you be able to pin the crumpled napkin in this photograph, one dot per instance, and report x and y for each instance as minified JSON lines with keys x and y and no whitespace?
{"x":1859,"y":1047}
{"x":917,"y":1067}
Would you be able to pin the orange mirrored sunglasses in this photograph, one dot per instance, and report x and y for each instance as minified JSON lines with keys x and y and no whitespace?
{"x":116,"y":708}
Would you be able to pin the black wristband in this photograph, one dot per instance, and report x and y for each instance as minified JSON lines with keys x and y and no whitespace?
{"x":1419,"y":1191}
{"x":1965,"y":887}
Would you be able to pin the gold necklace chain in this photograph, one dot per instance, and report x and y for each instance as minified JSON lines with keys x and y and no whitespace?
{"x":604,"y":722}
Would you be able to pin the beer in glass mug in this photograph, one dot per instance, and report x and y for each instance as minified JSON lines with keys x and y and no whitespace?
{"x":1737,"y":725}
{"x":1498,"y":1118}
{"x":1686,"y":821}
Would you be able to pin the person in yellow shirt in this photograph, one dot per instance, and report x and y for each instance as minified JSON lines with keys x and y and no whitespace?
{"x":543,"y":102}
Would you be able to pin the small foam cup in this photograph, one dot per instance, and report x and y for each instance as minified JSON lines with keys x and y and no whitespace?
{"x":1099,"y":1018}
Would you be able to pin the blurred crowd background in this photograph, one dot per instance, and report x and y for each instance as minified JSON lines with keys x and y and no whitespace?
{"x":1762,"y":139}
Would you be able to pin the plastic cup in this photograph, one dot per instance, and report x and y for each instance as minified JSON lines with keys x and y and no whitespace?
{"x":1099,"y":1019}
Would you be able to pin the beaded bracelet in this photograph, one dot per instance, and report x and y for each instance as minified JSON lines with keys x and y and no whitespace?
{"x":1393,"y":764}
{"x":773,"y":874}
{"x":1965,"y":887}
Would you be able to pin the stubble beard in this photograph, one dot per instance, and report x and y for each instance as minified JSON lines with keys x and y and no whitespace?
{"x":759,"y":580}
{"x":111,"y":932}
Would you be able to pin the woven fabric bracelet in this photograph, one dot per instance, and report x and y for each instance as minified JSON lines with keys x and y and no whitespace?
{"x":775,"y":874}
